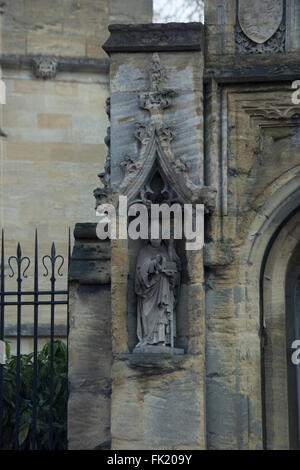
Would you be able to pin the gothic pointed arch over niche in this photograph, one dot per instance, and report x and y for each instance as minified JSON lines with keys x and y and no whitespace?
{"x":155,"y":139}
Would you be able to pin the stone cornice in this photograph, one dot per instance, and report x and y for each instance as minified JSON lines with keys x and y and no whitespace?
{"x":235,"y":69}
{"x":155,"y":37}
{"x":64,"y":64}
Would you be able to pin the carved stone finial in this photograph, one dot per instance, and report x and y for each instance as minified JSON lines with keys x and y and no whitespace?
{"x":157,"y":97}
{"x":157,"y":72}
{"x":45,"y":67}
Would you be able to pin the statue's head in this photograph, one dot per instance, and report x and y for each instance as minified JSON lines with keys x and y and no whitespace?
{"x":155,"y":242}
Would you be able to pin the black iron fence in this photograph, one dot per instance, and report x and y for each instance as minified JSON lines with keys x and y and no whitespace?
{"x":33,"y":386}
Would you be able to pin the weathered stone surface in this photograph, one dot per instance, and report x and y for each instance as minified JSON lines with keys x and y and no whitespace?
{"x":66,"y":28}
{"x":134,"y":11}
{"x":88,"y":421}
{"x":217,"y":255}
{"x":260,"y":20}
{"x":146,"y":390}
{"x":155,"y":37}
{"x":130,"y":76}
{"x":90,"y":344}
{"x":55,"y":133}
{"x":158,"y":362}
{"x":257,"y":68}
{"x":165,"y":407}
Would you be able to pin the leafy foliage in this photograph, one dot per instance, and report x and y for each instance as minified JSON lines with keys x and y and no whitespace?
{"x":60,"y":381}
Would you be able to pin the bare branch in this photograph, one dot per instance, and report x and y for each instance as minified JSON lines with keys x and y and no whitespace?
{"x":178,"y":10}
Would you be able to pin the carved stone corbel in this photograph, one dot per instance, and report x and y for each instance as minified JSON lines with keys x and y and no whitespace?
{"x":45,"y":67}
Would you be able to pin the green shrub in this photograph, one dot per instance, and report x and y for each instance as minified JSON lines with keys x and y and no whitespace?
{"x":60,"y":382}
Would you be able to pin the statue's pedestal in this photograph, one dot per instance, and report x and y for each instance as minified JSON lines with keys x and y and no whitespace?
{"x":157,"y":350}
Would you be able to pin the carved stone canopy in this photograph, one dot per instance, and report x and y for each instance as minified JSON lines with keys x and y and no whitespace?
{"x":156,"y":156}
{"x":140,"y":174}
{"x":158,"y":160}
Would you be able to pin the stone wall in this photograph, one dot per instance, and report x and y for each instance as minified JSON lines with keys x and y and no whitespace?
{"x":249,"y":104}
{"x":66,"y":28}
{"x":90,"y":350}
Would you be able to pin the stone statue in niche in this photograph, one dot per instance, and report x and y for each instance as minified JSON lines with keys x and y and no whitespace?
{"x":156,"y":285}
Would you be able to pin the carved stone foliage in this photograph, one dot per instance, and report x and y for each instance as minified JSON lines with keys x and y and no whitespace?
{"x":157,"y":97}
{"x":105,"y":176}
{"x":260,"y":19}
{"x":166,"y":134}
{"x":107,"y":107}
{"x":156,"y":157}
{"x":45,"y":67}
{"x":181,"y":165}
{"x":128,"y":165}
{"x":274,"y":111}
{"x":143,"y":132}
{"x":261,"y":26}
{"x":275,"y":44}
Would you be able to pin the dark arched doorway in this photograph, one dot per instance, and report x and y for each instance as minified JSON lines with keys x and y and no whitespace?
{"x":292,"y":334}
{"x":281,"y":326}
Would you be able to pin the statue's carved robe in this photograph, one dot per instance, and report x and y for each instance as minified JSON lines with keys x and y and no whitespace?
{"x":155,"y":291}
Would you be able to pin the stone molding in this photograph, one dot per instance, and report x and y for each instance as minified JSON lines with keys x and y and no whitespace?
{"x":155,"y":37}
{"x":64,"y":64}
{"x":154,"y":364}
{"x":253,"y":68}
{"x":90,"y":261}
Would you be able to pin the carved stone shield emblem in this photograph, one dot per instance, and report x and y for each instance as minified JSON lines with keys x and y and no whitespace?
{"x":260,"y":19}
